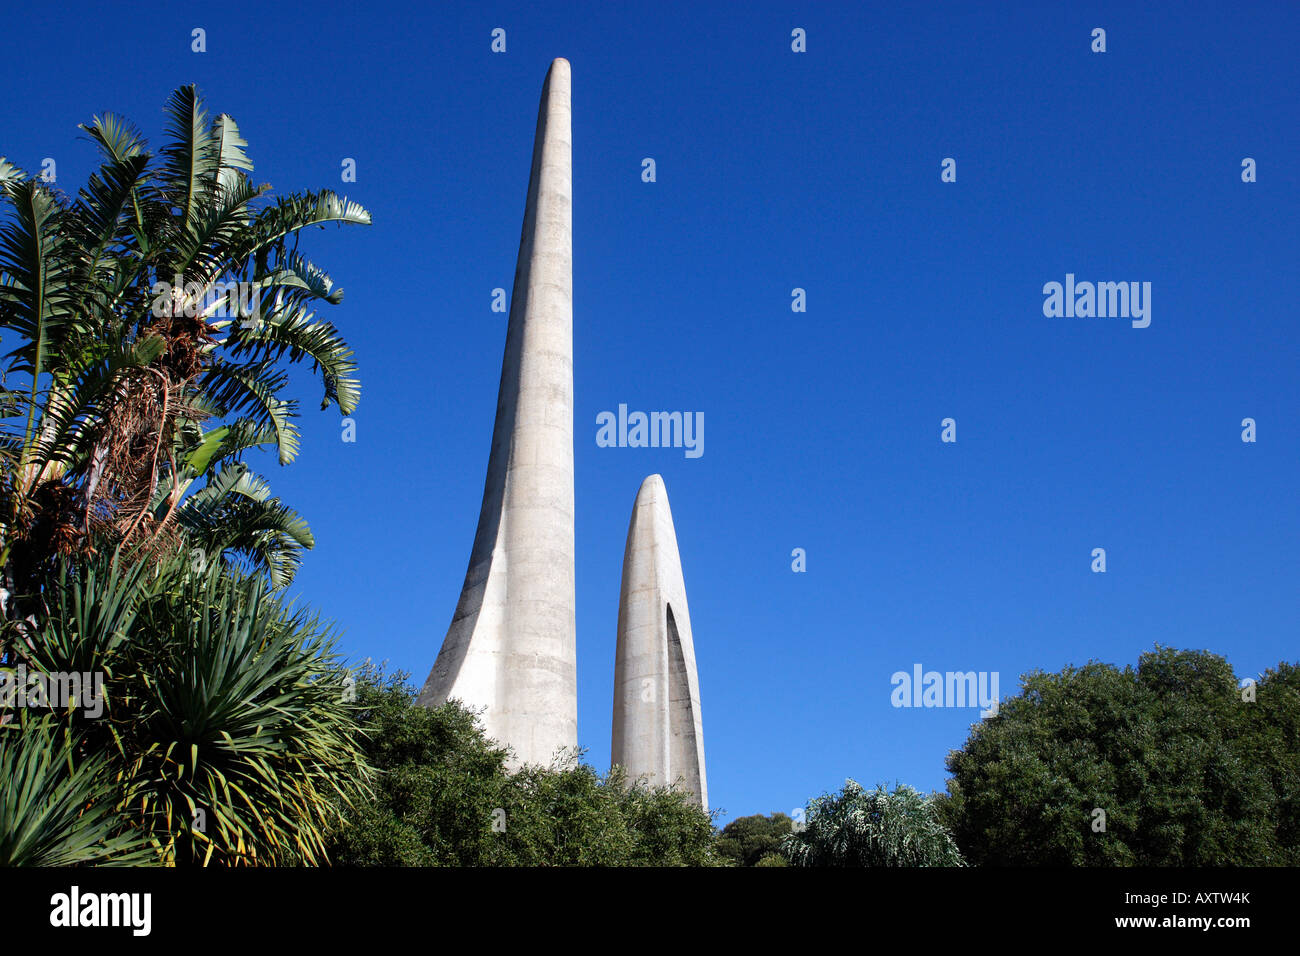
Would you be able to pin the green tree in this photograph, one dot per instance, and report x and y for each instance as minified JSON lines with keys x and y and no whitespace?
{"x":857,"y":827}
{"x":443,"y":796}
{"x":669,"y":829}
{"x":746,"y":841}
{"x":438,"y":782}
{"x":1160,"y":765}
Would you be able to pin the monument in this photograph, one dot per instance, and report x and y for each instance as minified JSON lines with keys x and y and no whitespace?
{"x":510,"y":652}
{"x":511,"y":648}
{"x":658,"y":732}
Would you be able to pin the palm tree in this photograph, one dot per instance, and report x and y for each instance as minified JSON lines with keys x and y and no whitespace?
{"x":155,"y":314}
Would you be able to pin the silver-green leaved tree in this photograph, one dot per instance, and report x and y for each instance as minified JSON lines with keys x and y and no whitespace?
{"x":858,"y":827}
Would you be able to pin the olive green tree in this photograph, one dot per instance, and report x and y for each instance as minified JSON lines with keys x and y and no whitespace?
{"x":1170,"y":763}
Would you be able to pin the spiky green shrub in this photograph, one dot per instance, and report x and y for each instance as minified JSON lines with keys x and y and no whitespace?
{"x":857,"y":827}
{"x":226,"y":715}
{"x":58,"y":808}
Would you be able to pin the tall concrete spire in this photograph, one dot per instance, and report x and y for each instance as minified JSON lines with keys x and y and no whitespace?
{"x":511,"y":647}
{"x":658,"y":732}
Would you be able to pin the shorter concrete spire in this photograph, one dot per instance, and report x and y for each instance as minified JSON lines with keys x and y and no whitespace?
{"x":658,"y":731}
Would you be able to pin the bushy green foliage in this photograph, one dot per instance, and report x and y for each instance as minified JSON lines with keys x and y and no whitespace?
{"x":670,"y":830}
{"x":1186,"y":772}
{"x":748,"y":841}
{"x":857,"y":827}
{"x":438,"y":781}
{"x":443,"y":798}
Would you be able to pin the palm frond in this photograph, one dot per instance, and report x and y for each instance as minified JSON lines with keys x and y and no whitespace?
{"x":58,"y":805}
{"x":289,"y":330}
{"x":189,"y":165}
{"x":252,"y":389}
{"x":230,"y":155}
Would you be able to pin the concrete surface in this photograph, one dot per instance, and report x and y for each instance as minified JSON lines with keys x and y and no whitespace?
{"x":658,"y":731}
{"x":511,"y":646}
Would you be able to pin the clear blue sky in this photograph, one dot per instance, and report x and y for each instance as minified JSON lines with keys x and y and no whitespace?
{"x":779,"y":170}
